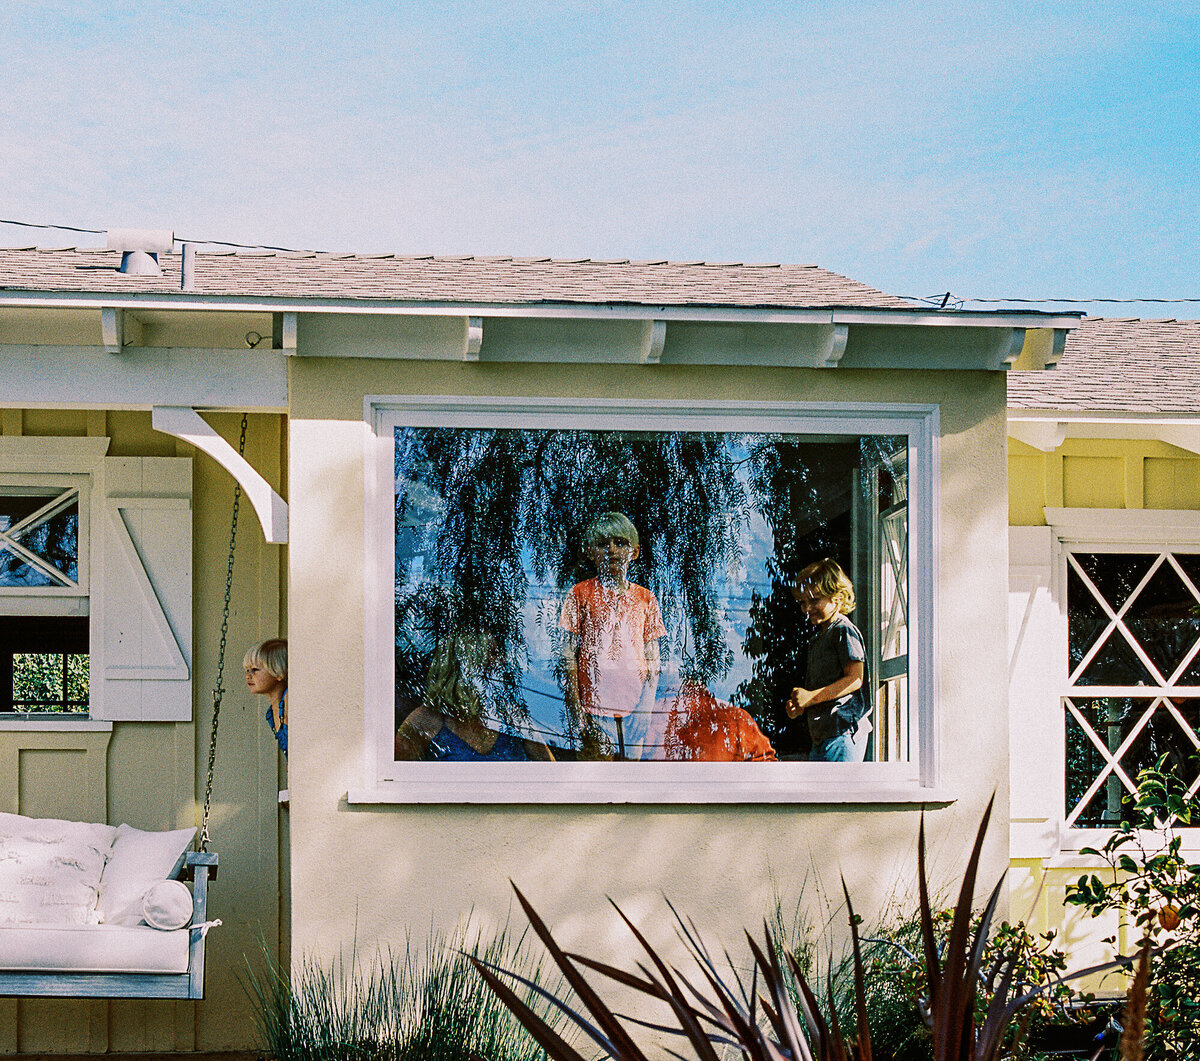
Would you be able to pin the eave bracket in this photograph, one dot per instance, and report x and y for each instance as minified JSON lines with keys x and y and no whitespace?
{"x":186,"y":424}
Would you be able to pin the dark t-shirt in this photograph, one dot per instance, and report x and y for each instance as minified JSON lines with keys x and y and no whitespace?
{"x":833,"y":649}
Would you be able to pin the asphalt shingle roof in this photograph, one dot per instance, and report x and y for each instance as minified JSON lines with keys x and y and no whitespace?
{"x":1118,"y":365}
{"x":472,"y":280}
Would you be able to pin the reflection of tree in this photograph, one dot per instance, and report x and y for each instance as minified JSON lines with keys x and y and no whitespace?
{"x":55,"y":540}
{"x":480,"y":506}
{"x":788,"y":481}
{"x":803,"y":489}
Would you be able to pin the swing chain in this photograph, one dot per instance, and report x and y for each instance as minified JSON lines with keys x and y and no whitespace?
{"x":219,"y":688}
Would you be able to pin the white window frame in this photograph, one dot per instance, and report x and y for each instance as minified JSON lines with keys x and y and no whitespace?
{"x":388,"y":781}
{"x":1075,"y":530}
{"x":147,"y":690}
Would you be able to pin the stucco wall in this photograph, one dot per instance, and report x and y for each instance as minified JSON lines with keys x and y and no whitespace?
{"x":151,"y":775}
{"x":374,"y":873}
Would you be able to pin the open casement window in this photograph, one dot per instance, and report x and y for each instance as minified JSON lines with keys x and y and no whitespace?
{"x":95,"y":583}
{"x":505,"y":529}
{"x":882,"y":567}
{"x":1133,"y":696}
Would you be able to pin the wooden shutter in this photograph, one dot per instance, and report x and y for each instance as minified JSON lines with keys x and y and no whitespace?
{"x":141,"y":667}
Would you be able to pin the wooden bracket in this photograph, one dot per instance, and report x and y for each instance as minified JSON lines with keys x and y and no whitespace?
{"x":835,"y":347}
{"x":654,"y":338}
{"x":474,"y":340}
{"x":271,"y":509}
{"x":118,"y":329}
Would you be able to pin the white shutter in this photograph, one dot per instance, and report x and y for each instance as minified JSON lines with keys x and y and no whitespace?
{"x":141,"y":668}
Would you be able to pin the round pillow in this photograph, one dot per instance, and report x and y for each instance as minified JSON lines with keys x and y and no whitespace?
{"x":167,"y":905}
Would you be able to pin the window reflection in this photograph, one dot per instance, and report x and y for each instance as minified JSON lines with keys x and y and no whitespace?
{"x":605,"y":595}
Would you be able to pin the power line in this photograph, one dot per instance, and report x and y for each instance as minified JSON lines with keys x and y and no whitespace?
{"x":954,"y":302}
{"x":178,"y":239}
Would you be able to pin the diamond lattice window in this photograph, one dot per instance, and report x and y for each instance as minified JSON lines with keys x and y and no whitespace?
{"x":1133,"y":640}
{"x":39,"y":538}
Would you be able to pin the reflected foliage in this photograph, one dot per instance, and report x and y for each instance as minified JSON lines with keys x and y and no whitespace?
{"x":490,"y":527}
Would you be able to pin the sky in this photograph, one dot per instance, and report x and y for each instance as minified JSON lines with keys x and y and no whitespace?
{"x":1004,"y":150}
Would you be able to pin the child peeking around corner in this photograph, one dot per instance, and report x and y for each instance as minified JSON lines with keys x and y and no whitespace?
{"x":832,"y":698}
{"x":610,"y":646}
{"x":266,"y":675}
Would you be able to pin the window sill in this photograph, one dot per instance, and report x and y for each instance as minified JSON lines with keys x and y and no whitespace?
{"x":55,"y":725}
{"x":571,"y":792}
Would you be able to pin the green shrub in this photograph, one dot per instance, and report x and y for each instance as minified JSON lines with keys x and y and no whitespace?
{"x":426,"y":1004}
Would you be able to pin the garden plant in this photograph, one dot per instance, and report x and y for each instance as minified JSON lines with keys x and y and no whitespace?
{"x":423,"y":1005}
{"x":1153,"y":886}
{"x":773,"y":1012}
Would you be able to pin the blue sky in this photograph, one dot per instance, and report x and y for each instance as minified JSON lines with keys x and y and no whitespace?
{"x":999,"y":150}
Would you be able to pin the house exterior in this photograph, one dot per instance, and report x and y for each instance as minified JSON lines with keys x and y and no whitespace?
{"x":427,"y":443}
{"x":1104,"y":513}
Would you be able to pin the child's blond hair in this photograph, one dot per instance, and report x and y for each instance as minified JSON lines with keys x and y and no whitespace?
{"x":611,"y":525}
{"x":271,"y":655}
{"x":825,"y":578}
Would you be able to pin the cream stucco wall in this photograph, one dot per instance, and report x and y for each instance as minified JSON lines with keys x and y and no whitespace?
{"x":375,"y":873}
{"x":151,"y":775}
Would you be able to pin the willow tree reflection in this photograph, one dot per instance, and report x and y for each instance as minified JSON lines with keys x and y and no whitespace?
{"x":490,"y":527}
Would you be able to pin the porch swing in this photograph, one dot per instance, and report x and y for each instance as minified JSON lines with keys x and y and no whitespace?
{"x":139,"y":961}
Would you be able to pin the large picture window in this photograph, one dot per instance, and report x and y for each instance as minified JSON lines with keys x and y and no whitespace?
{"x":617,"y":588}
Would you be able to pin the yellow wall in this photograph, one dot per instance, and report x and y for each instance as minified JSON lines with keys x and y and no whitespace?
{"x":1100,"y":473}
{"x":375,"y":873}
{"x":151,"y":775}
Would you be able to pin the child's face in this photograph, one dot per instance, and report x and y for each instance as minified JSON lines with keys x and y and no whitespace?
{"x":612,"y":555}
{"x":820,"y":610}
{"x":260,"y":681}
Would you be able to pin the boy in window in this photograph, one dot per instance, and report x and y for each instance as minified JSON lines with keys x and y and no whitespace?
{"x":610,"y":646}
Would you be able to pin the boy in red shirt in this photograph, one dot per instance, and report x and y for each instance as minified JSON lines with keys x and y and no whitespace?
{"x":610,"y":646}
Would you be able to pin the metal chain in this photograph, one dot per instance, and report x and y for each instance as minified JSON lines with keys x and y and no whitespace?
{"x":219,"y":689}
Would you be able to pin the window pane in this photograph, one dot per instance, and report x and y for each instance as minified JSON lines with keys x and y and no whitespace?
{"x":1112,"y":720}
{"x":39,"y":538}
{"x":513,"y":599}
{"x":37,"y":678}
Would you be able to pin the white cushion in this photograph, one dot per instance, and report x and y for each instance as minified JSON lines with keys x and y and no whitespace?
{"x":92,"y":949}
{"x":139,"y":859}
{"x":50,"y":870}
{"x":167,"y":905}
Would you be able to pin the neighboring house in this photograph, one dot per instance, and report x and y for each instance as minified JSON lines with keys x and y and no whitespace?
{"x":1104,"y":513}
{"x":443,"y":431}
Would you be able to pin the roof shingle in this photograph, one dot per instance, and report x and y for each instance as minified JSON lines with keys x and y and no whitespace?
{"x":429,"y":278}
{"x":1118,"y":365}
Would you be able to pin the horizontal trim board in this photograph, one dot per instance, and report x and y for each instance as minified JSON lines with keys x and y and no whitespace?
{"x":86,"y":377}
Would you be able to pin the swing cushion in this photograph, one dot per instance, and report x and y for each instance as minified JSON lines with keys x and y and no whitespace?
{"x":50,"y":870}
{"x":93,"y":949}
{"x":139,"y":861}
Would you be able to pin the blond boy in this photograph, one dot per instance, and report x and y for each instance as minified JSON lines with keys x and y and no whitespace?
{"x":610,"y":650}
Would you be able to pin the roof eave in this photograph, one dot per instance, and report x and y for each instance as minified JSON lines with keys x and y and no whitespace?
{"x":917,"y":316}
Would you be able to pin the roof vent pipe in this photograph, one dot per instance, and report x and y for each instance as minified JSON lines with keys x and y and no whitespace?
{"x":187,"y":269}
{"x":140,"y":248}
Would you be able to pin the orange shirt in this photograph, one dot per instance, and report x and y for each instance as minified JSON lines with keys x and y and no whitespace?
{"x":613,"y":628}
{"x":701,"y":728}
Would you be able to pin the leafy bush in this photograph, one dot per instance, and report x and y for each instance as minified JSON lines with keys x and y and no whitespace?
{"x":1157,"y":890}
{"x":425,"y":1005}
{"x":715,"y":1007}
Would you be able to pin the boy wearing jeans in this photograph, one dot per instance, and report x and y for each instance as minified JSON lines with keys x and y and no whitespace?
{"x":610,"y":647}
